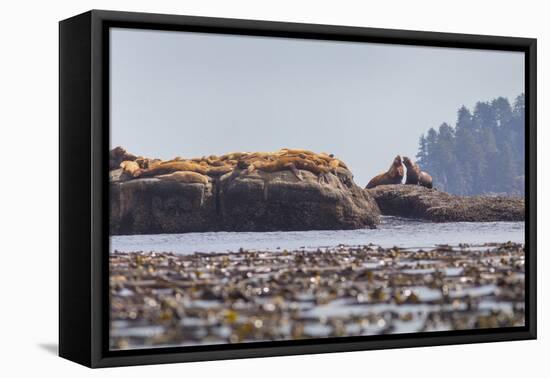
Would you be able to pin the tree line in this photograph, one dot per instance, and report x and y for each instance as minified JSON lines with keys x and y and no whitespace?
{"x":484,"y":153}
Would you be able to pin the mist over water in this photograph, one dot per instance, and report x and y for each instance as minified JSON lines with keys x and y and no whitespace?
{"x":391,"y":232}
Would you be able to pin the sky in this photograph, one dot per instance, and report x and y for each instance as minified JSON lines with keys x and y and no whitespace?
{"x":194,"y":94}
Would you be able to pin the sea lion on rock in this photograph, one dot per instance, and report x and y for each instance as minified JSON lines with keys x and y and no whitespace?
{"x":415,"y":176}
{"x":146,"y":163}
{"x":234,"y":156}
{"x":293,"y":163}
{"x":117,"y":155}
{"x":130,"y":168}
{"x":393,"y":176}
{"x":321,"y":158}
{"x":174,"y":166}
{"x":186,"y":177}
{"x":425,"y":179}
{"x":413,"y":171}
{"x":219,"y":170}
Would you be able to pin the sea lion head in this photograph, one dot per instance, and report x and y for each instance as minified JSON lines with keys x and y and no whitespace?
{"x":118,"y":151}
{"x":243,"y":164}
{"x":408,"y":163}
{"x":397,"y":161}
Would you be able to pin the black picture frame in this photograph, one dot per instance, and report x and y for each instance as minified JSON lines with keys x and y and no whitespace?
{"x":83,"y":195}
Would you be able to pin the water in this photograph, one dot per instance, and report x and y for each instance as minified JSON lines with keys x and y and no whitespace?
{"x":391,"y":232}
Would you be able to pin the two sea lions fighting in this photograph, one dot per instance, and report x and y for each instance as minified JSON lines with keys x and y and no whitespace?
{"x":395,"y":175}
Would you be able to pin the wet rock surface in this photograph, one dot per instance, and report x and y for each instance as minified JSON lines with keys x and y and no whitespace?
{"x":162,"y":299}
{"x":240,"y":201}
{"x":414,"y":201}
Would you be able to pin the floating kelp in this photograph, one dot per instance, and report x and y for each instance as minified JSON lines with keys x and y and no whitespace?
{"x":163,"y":299}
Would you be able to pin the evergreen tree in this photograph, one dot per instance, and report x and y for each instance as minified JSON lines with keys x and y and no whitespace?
{"x":484,"y":153}
{"x":422,"y":154}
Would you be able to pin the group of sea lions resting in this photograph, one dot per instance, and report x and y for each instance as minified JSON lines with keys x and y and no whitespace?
{"x":395,"y":175}
{"x":201,"y":170}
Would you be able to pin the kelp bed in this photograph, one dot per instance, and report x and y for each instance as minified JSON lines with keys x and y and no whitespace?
{"x":165,"y":299}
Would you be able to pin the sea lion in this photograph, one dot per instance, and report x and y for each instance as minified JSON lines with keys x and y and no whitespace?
{"x":234,"y":156}
{"x":425,"y":179}
{"x":219,"y":170}
{"x":413,"y":171}
{"x":289,"y":162}
{"x":394,"y":175}
{"x":187,"y":177}
{"x":173,"y":166}
{"x":117,"y":155}
{"x":146,"y":163}
{"x":130,"y":168}
{"x":245,"y":161}
{"x":321,"y":158}
{"x":415,"y":176}
{"x":295,"y":151}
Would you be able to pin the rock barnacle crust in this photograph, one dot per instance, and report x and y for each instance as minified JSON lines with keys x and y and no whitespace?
{"x":284,"y":190}
{"x":415,"y":201}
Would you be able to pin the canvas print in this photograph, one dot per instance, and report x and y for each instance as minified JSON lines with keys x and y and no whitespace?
{"x":267,"y":189}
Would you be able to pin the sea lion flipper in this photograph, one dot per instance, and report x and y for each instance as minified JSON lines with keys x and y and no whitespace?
{"x":295,"y":170}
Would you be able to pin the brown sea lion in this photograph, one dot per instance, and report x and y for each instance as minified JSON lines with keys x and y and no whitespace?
{"x":146,"y":163}
{"x":394,"y":175}
{"x":321,"y":158}
{"x":234,"y":156}
{"x":117,"y":155}
{"x":185,"y":177}
{"x":289,"y":162}
{"x":413,"y":171}
{"x":173,"y":166}
{"x":415,"y":176}
{"x":294,"y":151}
{"x":245,"y":161}
{"x":425,"y":179}
{"x":219,"y":170}
{"x":130,"y":168}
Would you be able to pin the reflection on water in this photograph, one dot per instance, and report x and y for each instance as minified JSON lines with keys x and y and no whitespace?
{"x":391,"y":232}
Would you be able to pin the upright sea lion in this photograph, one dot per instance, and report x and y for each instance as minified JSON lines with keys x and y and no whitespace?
{"x":415,"y":176}
{"x":413,"y":171}
{"x":185,"y":177}
{"x":393,"y":176}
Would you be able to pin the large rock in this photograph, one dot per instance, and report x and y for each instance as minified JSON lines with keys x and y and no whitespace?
{"x":258,"y":201}
{"x":279,"y":201}
{"x":413,"y":201}
{"x":153,"y":206}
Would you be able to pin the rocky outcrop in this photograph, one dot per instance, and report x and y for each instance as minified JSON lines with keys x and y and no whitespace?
{"x":413,"y":201}
{"x":239,"y":201}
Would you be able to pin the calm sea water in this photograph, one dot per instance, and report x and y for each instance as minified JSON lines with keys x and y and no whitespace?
{"x":391,"y":232}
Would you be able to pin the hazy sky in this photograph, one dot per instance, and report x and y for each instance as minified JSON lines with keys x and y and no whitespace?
{"x":192,"y":94}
